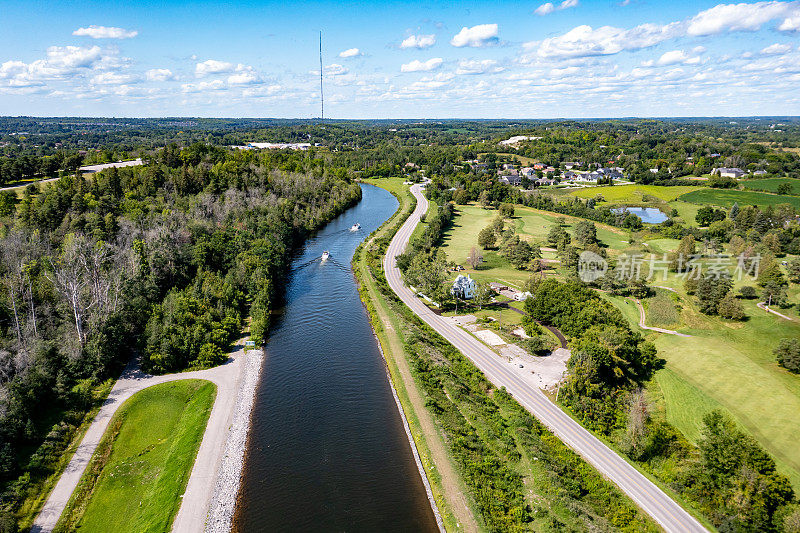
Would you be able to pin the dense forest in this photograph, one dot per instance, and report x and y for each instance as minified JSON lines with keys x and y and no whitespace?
{"x":165,"y":260}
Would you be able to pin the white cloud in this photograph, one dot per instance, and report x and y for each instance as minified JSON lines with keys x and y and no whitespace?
{"x":105,"y":32}
{"x":474,"y":66}
{"x":212,"y":66}
{"x":350,"y":52}
{"x":244,"y":75}
{"x":672,"y":57}
{"x":737,"y":17}
{"x":776,"y":49}
{"x":791,"y":23}
{"x":71,"y":57}
{"x":213,"y":85}
{"x":476,"y":36}
{"x":112,"y":78}
{"x":335,"y":69}
{"x":583,"y":41}
{"x":159,"y":74}
{"x":547,"y":8}
{"x":418,"y":41}
{"x":422,"y":66}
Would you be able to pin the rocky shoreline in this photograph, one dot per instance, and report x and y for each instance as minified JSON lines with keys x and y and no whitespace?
{"x":229,"y":474}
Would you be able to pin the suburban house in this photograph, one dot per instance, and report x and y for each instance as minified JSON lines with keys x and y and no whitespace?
{"x":463,"y":287}
{"x":512,"y":179}
{"x":569,"y":165}
{"x":760,"y":173}
{"x":726,"y":172}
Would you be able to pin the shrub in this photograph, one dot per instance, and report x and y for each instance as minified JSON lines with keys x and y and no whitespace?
{"x":748,"y":292}
{"x":788,"y":354}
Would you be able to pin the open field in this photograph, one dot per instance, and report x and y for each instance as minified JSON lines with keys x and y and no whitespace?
{"x":771,"y":184}
{"x":633,"y":193}
{"x":146,"y":456}
{"x":730,"y":365}
{"x":726,"y":198}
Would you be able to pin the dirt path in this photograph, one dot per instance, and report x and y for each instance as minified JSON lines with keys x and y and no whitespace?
{"x":642,"y":324}
{"x":197,"y":501}
{"x":763,"y":305}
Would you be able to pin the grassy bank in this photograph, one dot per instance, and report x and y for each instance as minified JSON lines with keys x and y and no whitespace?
{"x":145,"y":457}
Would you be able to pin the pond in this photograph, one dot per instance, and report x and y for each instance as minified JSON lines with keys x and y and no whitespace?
{"x":648,"y":215}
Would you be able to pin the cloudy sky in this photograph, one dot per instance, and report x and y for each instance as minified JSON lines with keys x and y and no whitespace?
{"x":488,"y":59}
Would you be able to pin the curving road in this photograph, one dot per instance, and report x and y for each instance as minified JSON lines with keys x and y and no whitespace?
{"x":667,"y":513}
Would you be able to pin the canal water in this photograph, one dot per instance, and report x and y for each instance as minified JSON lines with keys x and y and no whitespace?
{"x":327,"y":448}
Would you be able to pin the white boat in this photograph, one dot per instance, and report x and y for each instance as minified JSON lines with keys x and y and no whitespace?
{"x":355,"y":227}
{"x":325,"y":255}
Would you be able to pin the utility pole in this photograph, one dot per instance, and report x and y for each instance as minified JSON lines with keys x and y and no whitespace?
{"x":321,"y":94}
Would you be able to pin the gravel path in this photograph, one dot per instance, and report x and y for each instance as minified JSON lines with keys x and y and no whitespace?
{"x":660,"y":330}
{"x":216,"y":462}
{"x":763,"y":305}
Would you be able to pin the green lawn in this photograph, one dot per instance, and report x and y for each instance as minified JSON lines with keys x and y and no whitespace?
{"x":730,"y":365}
{"x":140,"y":469}
{"x":726,"y":198}
{"x":771,"y":184}
{"x":633,"y":193}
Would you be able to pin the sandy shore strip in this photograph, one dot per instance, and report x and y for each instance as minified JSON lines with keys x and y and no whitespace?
{"x":229,"y":475}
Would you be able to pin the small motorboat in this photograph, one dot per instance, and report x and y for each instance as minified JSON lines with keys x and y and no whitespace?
{"x":355,"y":227}
{"x":325,"y":255}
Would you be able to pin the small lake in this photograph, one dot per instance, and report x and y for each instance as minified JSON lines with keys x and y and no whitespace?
{"x":327,"y":448}
{"x":648,"y":215}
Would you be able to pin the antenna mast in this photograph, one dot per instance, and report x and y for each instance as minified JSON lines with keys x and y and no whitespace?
{"x":321,"y":94}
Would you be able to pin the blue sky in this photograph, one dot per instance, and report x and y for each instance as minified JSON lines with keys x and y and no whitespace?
{"x":490,"y":59}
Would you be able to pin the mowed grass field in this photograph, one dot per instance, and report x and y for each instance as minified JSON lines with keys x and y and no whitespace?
{"x":771,"y":184}
{"x":531,"y":224}
{"x":729,"y":365}
{"x":139,"y":472}
{"x":726,"y":198}
{"x":633,"y":193}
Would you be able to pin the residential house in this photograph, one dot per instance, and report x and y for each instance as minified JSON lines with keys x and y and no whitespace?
{"x":726,"y":172}
{"x":464,"y":287}
{"x":569,"y":165}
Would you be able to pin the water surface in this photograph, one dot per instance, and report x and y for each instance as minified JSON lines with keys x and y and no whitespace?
{"x":327,"y":448}
{"x":648,"y":215}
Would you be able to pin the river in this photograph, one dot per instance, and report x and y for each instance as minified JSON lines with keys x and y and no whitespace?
{"x":327,"y":448}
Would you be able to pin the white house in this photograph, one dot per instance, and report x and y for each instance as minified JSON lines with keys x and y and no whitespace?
{"x":464,"y":287}
{"x":729,"y":172}
{"x":522,"y":296}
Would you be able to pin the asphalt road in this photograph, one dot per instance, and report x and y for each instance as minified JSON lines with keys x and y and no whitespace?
{"x":666,"y":512}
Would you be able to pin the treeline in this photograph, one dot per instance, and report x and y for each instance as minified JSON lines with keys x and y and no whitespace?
{"x":161,"y":261}
{"x":728,"y":477}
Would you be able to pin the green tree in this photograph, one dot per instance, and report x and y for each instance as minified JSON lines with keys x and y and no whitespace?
{"x":585,"y":233}
{"x":730,"y":307}
{"x":794,"y":270}
{"x":557,"y":236}
{"x":784,"y":189}
{"x":507,"y":210}
{"x":788,"y":354}
{"x":710,"y":292}
{"x":487,"y":238}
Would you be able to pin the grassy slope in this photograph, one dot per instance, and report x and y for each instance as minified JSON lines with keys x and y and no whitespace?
{"x":771,"y":184}
{"x":532,"y":224}
{"x":633,"y":193}
{"x":730,"y":365}
{"x":455,"y":505}
{"x":726,"y":198}
{"x":142,"y":465}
